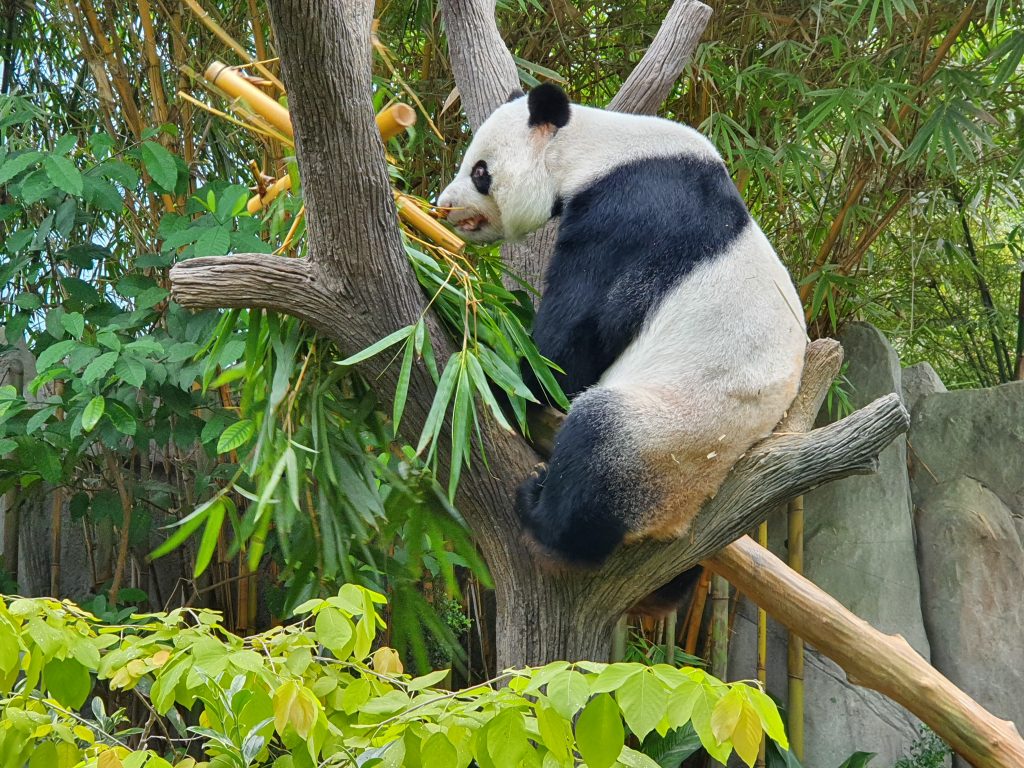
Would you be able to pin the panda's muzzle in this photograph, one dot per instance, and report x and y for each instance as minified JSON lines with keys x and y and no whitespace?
{"x":470,"y":223}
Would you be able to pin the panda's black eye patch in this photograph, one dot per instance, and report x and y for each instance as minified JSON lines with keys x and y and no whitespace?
{"x":481,"y":177}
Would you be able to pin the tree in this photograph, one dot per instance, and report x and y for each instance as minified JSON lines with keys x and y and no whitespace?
{"x":355,"y":286}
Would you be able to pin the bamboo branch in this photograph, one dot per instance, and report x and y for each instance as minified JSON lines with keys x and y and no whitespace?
{"x":885,"y":663}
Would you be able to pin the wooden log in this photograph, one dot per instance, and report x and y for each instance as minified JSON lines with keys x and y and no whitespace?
{"x":884,"y":663}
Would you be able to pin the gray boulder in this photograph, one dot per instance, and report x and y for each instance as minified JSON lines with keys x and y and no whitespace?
{"x":919,"y":381}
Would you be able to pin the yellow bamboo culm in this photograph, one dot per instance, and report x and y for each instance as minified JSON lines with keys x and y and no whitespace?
{"x":795,"y":650}
{"x":395,"y":119}
{"x":410,"y":212}
{"x":390,"y":122}
{"x":232,"y":83}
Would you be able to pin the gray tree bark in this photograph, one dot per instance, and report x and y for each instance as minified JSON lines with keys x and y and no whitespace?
{"x":355,"y":286}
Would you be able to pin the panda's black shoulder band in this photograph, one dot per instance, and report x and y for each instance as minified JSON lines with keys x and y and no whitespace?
{"x":513,"y":95}
{"x":548,"y":106}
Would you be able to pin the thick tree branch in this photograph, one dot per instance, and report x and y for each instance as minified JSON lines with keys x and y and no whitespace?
{"x":254,"y":280}
{"x":483,"y":67}
{"x":653,"y":78}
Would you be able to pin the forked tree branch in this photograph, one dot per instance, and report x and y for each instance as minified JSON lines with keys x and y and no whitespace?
{"x":654,"y":77}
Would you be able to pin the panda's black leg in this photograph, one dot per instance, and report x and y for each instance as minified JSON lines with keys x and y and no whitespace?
{"x":528,"y":493}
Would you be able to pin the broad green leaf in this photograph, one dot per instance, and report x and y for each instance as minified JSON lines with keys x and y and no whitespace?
{"x":236,"y":435}
{"x":613,"y":676}
{"x":74,"y":323}
{"x":633,"y":759}
{"x":440,"y":752}
{"x":335,"y":631}
{"x":768,"y":713}
{"x":747,"y":735}
{"x":160,"y":164}
{"x":599,"y":732}
{"x":120,"y":417}
{"x":99,"y":367}
{"x":68,"y":682}
{"x":427,"y":680}
{"x":214,"y":241}
{"x":857,"y":759}
{"x":643,"y":699}
{"x":53,"y":353}
{"x":93,"y":412}
{"x":568,"y":692}
{"x":726,"y":715}
{"x":11,"y":168}
{"x":506,"y":739}
{"x":64,"y":175}
{"x":555,"y":731}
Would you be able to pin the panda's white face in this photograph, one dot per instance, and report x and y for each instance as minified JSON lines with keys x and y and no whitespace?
{"x":503,"y":189}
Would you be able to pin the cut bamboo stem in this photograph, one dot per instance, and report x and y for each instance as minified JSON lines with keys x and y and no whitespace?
{"x":229,"y":81}
{"x":410,"y":212}
{"x":884,"y":663}
{"x":795,"y":644}
{"x":233,"y":44}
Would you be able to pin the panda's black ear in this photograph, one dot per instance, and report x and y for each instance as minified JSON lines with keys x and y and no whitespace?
{"x":548,"y":106}
{"x":513,"y":95}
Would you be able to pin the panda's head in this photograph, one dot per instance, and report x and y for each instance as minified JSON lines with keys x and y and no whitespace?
{"x":503,"y":189}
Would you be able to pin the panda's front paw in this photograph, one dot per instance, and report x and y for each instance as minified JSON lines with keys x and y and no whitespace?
{"x":528,"y":492}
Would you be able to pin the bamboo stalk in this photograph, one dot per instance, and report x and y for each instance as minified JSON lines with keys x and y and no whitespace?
{"x":1019,"y":374}
{"x":233,"y":44}
{"x":12,"y":513}
{"x":795,"y":645}
{"x":719,"y":627}
{"x":259,"y":202}
{"x":884,"y":663}
{"x":410,"y":212}
{"x":762,"y":643}
{"x":696,"y":614}
{"x":670,"y":637}
{"x":156,"y":84}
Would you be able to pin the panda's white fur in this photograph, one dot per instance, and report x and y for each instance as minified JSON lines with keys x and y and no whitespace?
{"x":679,"y":329}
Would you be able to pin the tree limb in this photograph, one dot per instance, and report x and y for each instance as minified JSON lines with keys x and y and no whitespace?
{"x":885,"y":663}
{"x":653,"y":78}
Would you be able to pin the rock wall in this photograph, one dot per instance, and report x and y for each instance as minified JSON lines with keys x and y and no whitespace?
{"x":930,"y":547}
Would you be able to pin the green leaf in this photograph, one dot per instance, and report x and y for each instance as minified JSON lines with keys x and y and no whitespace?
{"x":438,"y":408}
{"x":599,"y":732}
{"x":568,"y":692}
{"x":643,"y":699}
{"x":506,"y":739}
{"x":73,"y":323}
{"x":380,"y":346}
{"x":215,"y":241}
{"x":93,"y":412}
{"x":236,"y":435}
{"x":555,"y":731}
{"x":726,"y":715}
{"x":54,"y":353}
{"x":335,"y":631}
{"x":184,"y":528}
{"x":771,"y":721}
{"x":68,"y":682}
{"x":160,"y":164}
{"x":208,"y":544}
{"x":121,"y":418}
{"x":440,"y":752}
{"x":131,"y":371}
{"x":64,"y":175}
{"x":858,"y":760}
{"x":613,"y":676}
{"x":17,"y":164}
{"x":99,"y":367}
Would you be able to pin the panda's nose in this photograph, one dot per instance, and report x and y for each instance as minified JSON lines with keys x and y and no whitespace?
{"x":444,"y":202}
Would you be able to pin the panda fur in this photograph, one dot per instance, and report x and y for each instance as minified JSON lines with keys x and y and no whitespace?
{"x":679,"y":330}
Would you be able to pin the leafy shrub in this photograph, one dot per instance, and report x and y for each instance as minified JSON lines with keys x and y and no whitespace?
{"x":181,"y":688}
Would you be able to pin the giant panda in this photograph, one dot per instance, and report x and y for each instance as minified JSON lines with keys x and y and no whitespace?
{"x":679,"y":330}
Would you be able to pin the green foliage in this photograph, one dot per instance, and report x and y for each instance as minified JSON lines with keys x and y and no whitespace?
{"x":321,"y":689}
{"x":929,"y":751}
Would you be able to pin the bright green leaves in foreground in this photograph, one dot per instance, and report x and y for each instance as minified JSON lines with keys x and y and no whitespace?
{"x":322,"y":690}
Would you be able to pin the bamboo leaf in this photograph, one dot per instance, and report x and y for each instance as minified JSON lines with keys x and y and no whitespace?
{"x":380,"y":346}
{"x":208,"y":544}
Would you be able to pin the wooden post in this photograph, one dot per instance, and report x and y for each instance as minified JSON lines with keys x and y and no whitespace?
{"x":719,"y":627}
